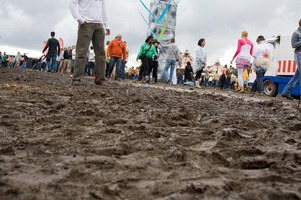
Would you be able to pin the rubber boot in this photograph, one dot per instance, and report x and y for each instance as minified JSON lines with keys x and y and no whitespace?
{"x":147,"y":78}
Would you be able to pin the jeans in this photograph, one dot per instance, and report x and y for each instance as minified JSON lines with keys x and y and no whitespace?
{"x":172,"y":65}
{"x":107,"y":69}
{"x":53,"y":60}
{"x":180,"y":81}
{"x":123,"y":63}
{"x":228,"y":80}
{"x":206,"y":82}
{"x":58,"y":64}
{"x":24,"y":65}
{"x":117,"y":61}
{"x":215,"y":83}
{"x":90,"y":70}
{"x":72,"y":65}
{"x":297,"y":77}
{"x":259,"y":80}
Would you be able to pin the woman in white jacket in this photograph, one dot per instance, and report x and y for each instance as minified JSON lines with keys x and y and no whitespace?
{"x":200,"y":60}
{"x":262,"y":58}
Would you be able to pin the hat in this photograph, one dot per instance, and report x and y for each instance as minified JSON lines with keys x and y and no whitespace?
{"x":149,"y":37}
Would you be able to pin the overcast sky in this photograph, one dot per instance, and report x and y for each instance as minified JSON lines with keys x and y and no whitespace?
{"x":25,"y":24}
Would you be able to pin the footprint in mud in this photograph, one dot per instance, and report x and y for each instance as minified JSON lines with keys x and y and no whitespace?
{"x":78,"y":175}
{"x":295,"y":127}
{"x":86,"y":113}
{"x":256,"y":164}
{"x":8,"y":150}
{"x":113,"y":122}
{"x":230,"y":134}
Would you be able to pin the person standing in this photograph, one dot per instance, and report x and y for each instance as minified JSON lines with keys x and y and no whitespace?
{"x":117,"y":51}
{"x":91,"y":62}
{"x":228,"y":75}
{"x":25,"y":58}
{"x":18,"y":60}
{"x":146,"y":54}
{"x":179,"y":77}
{"x":61,"y":60}
{"x":123,"y":66}
{"x":0,"y":59}
{"x":131,"y":73}
{"x":200,"y":61}
{"x":4,"y":59}
{"x":53,"y":47}
{"x":207,"y":77}
{"x":222,"y":79}
{"x":73,"y":55}
{"x":243,"y":60}
{"x":296,"y":44}
{"x":107,"y":60}
{"x":172,"y":56}
{"x":188,"y":73}
{"x":155,"y":65}
{"x":70,"y":60}
{"x":233,"y":81}
{"x":262,"y":57}
{"x":216,"y":78}
{"x":93,"y":25}
{"x":136,"y":73}
{"x":66,"y":60}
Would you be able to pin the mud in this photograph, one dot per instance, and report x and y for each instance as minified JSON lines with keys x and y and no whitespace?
{"x":125,"y":141}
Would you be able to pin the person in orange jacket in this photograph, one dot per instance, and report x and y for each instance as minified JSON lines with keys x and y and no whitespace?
{"x":117,"y":51}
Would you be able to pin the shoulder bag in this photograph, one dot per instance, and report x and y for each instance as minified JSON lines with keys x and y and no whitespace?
{"x":142,"y":56}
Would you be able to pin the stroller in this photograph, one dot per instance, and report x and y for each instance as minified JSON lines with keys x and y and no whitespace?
{"x":41,"y":64}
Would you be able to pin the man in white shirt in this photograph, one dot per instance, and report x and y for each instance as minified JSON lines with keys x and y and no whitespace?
{"x":93,"y":24}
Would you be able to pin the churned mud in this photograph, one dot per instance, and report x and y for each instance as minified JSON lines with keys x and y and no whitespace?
{"x":126,"y":141}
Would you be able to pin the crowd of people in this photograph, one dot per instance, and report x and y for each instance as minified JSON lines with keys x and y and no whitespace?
{"x":62,"y":60}
{"x":109,"y":61}
{"x":13,"y":61}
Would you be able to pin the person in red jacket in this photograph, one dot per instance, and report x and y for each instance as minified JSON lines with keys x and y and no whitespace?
{"x":117,"y":51}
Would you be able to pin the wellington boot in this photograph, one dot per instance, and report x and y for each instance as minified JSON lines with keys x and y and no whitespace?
{"x":143,"y":79}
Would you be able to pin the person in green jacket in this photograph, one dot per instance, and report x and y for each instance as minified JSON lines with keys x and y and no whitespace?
{"x":146,"y":55}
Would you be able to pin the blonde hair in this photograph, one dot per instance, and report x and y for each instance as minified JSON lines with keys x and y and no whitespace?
{"x":244,"y":34}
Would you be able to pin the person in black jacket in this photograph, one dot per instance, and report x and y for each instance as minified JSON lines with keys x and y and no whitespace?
{"x":188,"y":72}
{"x":66,"y":60}
{"x":53,"y":46}
{"x":154,"y":67}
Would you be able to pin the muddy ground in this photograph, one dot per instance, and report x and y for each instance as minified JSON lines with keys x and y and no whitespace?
{"x":125,"y":141}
